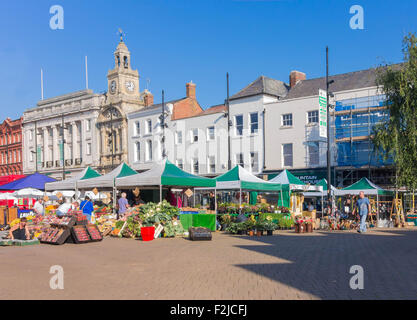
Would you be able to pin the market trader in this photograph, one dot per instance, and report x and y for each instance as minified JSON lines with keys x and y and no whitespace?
{"x":21,"y":231}
{"x":87,"y":207}
{"x":363,"y":206}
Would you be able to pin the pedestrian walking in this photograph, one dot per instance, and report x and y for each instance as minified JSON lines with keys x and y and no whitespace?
{"x":363,"y":208}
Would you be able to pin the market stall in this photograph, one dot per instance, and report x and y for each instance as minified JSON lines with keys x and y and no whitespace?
{"x":71,"y":183}
{"x":321,"y":194}
{"x":165,"y":174}
{"x":36,"y":181}
{"x":107,"y":181}
{"x":369,"y":188}
{"x":292,"y":188}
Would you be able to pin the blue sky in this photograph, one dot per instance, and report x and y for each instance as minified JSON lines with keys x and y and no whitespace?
{"x":173,"y":42}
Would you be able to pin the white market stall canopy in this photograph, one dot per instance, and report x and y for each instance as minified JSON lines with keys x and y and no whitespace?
{"x":240,"y":178}
{"x":71,"y":183}
{"x":108,"y":180}
{"x":286,"y":178}
{"x":164,"y":173}
{"x":323,"y":184}
{"x":28,"y":193}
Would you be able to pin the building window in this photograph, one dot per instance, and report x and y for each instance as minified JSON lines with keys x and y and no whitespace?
{"x":313,"y":116}
{"x":211,"y":166}
{"x":88,"y":149}
{"x":137,"y":128}
{"x":239,"y":125}
{"x":210,"y":133}
{"x":313,"y":153}
{"x":137,"y":151}
{"x":88,"y":125}
{"x":30,"y":156}
{"x":149,"y":126}
{"x":254,"y":123}
{"x":178,"y":137}
{"x":195,"y":166}
{"x":287,"y":155}
{"x":194,"y":135}
{"x":239,"y":159}
{"x":180,"y":164}
{"x":254,"y":161}
{"x":287,"y":120}
{"x":149,"y":150}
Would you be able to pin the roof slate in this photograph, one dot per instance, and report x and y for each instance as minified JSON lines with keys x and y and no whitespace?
{"x":263,"y":85}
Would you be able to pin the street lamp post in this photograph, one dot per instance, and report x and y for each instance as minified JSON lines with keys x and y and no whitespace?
{"x":163,"y":125}
{"x":229,"y":160}
{"x":328,"y":83}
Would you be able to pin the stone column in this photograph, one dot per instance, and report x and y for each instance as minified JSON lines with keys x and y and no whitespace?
{"x":74,"y":141}
{"x":55,"y":143}
{"x":45,"y":145}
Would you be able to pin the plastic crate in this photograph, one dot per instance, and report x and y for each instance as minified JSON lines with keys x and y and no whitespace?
{"x":94,"y":232}
{"x":67,"y":222}
{"x":55,"y":235}
{"x":80,"y":234}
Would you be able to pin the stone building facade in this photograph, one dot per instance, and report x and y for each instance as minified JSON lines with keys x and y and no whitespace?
{"x":64,"y":134}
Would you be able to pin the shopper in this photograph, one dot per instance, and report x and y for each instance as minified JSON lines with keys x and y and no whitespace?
{"x":38,"y":207}
{"x":64,"y":208}
{"x":87,"y":207}
{"x":363,"y":207}
{"x":123,"y":204}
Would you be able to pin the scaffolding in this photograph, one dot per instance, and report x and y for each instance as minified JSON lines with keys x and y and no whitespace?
{"x":353,"y":121}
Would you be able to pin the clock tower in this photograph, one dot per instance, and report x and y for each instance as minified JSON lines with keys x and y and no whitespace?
{"x":123,"y":82}
{"x":122,"y":98}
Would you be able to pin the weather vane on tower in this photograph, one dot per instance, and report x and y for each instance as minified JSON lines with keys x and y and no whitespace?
{"x":121,"y":34}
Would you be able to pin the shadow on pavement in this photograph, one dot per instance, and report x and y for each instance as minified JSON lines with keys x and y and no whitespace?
{"x":319,"y":263}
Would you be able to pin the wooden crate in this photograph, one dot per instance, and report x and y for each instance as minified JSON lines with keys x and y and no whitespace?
{"x":12,"y":215}
{"x":3,"y":215}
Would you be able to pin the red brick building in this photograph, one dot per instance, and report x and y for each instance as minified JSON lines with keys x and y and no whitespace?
{"x":11,"y":147}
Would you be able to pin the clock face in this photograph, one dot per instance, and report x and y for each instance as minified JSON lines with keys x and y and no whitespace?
{"x":113,"y":86}
{"x":130,"y":86}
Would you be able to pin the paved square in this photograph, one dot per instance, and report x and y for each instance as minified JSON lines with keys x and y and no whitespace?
{"x":285,"y":266}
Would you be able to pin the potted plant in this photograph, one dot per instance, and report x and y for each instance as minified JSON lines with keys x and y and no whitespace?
{"x":250,"y":225}
{"x":260,"y":227}
{"x":300,"y":226}
{"x":309,"y":225}
{"x":225,"y":221}
{"x":233,"y":228}
{"x":269,"y":226}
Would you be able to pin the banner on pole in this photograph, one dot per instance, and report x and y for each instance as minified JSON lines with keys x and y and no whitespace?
{"x":323,"y":113}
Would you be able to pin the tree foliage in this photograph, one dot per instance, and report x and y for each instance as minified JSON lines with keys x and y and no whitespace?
{"x":396,"y":138}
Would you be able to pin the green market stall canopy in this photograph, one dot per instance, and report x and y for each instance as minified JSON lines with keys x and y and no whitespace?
{"x":240,"y":178}
{"x":107,"y":180}
{"x":367,"y":187}
{"x":165,"y":173}
{"x":71,"y":183}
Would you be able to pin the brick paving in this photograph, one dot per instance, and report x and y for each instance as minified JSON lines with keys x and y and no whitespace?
{"x":285,"y":266}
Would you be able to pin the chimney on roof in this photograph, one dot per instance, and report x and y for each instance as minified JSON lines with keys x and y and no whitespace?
{"x":148,"y":98}
{"x":296,"y":76}
{"x":190,"y":90}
